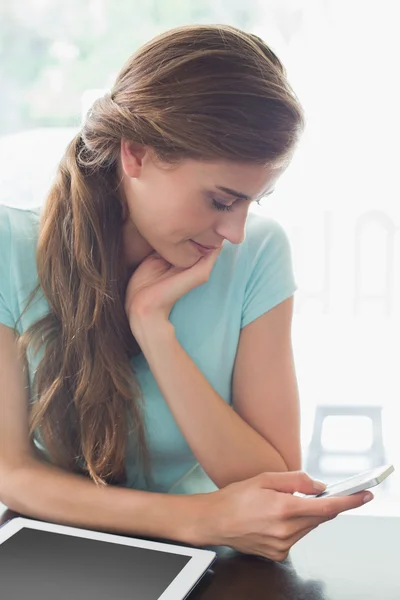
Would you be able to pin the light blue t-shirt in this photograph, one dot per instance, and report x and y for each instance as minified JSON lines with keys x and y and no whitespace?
{"x":247,"y":280}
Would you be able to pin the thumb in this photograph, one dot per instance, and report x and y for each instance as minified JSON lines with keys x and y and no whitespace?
{"x":290,"y":482}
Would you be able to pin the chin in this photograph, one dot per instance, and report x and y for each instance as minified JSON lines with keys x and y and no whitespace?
{"x":183,"y":259}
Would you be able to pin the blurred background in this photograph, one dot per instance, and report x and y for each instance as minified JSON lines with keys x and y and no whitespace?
{"x":339,"y":199}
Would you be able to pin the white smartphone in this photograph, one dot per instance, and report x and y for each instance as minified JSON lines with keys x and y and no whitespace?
{"x":358,"y":483}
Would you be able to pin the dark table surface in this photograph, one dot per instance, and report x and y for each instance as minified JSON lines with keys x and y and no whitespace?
{"x":354,"y":557}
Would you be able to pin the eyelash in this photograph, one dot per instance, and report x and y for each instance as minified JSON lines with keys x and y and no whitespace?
{"x":220,"y":206}
{"x":226,"y":207}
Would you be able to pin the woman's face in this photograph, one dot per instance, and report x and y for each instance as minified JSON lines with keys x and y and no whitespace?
{"x":169,"y":208}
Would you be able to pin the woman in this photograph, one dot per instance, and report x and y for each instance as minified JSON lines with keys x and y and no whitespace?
{"x":153,"y":311}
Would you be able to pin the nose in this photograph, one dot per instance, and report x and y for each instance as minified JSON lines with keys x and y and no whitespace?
{"x":231,"y":226}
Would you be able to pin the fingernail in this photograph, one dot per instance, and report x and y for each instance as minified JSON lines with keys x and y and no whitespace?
{"x":319,"y":486}
{"x":367,"y":498}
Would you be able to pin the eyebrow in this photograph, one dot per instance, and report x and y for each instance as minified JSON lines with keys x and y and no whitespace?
{"x":240,"y":194}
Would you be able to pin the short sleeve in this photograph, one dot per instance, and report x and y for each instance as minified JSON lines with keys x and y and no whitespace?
{"x":270,"y":270}
{"x":6,"y":317}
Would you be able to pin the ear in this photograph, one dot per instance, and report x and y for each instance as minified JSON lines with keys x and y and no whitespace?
{"x":132,"y":156}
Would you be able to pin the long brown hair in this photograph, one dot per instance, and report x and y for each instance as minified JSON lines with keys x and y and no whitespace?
{"x":204,"y":92}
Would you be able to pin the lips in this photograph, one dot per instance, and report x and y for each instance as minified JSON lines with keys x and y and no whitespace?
{"x":207,"y":247}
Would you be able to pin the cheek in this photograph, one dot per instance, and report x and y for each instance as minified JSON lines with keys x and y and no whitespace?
{"x":163,"y":210}
{"x":194,"y":218}
{"x":177,"y":213}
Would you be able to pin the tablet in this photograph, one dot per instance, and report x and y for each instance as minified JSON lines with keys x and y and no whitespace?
{"x":49,"y":561}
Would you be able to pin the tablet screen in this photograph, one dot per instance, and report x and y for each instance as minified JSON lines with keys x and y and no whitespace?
{"x":42,"y":565}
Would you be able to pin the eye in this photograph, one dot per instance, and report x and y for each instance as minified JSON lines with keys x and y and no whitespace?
{"x":219,"y":206}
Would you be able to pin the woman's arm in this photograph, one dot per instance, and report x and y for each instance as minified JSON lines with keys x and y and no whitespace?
{"x":42,"y":491}
{"x":227,"y":447}
{"x":264,"y":386}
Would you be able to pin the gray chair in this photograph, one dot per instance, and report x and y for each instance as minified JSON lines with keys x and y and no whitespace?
{"x":375,"y":454}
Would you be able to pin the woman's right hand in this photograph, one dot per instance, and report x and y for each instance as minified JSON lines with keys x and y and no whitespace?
{"x":260,"y":515}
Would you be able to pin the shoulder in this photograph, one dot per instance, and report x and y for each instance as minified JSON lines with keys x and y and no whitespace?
{"x":264,"y":233}
{"x":268,"y":276}
{"x":4,"y":226}
{"x":18,"y":229}
{"x":18,"y":220}
{"x":266,"y":243}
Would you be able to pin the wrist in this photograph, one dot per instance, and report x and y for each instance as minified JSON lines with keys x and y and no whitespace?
{"x":188,"y":519}
{"x":180,"y":517}
{"x":201,"y":530}
{"x":151,"y":328}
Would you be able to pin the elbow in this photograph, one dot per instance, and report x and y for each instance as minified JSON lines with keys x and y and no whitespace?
{"x":5,"y":480}
{"x":294,"y":463}
{"x":288,"y":463}
{"x":294,"y":466}
{"x":12,"y":477}
{"x":282,"y":460}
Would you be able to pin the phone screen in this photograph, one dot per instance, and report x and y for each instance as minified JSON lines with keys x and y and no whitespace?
{"x":358,"y":483}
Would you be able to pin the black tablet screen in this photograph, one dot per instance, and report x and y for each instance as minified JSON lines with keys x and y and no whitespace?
{"x":42,"y":565}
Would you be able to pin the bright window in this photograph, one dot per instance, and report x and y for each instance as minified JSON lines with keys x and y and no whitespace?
{"x":339,"y":200}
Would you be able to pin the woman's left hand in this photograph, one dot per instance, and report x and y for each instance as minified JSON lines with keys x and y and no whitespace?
{"x":156,"y":285}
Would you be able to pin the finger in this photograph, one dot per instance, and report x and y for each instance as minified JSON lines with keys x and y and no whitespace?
{"x":207,"y":262}
{"x":308,"y":524}
{"x":300,"y":534}
{"x":290,"y":482}
{"x":285,"y":541}
{"x":198,"y":274}
{"x":293,"y":529}
{"x":327,"y":507}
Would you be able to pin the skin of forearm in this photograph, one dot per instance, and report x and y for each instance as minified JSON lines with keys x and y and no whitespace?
{"x":43,"y":491}
{"x":227,"y":448}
